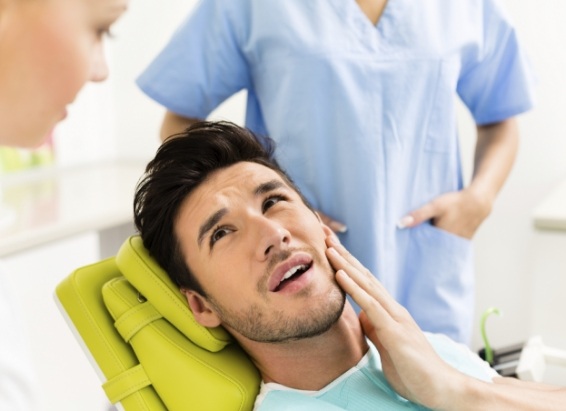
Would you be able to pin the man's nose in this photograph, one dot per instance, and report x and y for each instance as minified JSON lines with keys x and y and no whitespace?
{"x":272,"y":237}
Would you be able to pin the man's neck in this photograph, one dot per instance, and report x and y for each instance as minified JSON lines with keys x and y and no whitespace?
{"x":312,"y":363}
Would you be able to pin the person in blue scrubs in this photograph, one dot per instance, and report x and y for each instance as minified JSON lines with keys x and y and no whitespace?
{"x":360,"y":98}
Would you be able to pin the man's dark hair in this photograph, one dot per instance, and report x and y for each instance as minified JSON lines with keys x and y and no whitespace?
{"x":181,"y":164}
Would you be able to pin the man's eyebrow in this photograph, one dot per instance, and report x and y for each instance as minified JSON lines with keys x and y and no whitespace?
{"x":268,"y":186}
{"x":217,"y":216}
{"x":210,"y":223}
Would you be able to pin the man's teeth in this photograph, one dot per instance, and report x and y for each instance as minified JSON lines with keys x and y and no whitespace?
{"x":293,"y":271}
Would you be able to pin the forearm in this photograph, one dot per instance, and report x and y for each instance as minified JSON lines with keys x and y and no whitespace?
{"x":173,"y":124}
{"x":496,"y":149}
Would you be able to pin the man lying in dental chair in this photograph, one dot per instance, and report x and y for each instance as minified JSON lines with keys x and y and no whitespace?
{"x":250,"y":254}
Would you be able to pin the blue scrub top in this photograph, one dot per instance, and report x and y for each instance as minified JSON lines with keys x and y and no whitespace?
{"x":364,"y":117}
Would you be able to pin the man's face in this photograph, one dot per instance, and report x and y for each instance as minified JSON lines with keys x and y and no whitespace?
{"x":259,"y":253}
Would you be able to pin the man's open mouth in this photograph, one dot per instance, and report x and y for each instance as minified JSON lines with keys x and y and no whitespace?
{"x":292,"y":274}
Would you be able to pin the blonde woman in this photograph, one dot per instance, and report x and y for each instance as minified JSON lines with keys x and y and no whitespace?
{"x":48,"y":50}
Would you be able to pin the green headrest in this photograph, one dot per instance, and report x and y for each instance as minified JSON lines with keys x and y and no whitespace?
{"x":143,"y":272}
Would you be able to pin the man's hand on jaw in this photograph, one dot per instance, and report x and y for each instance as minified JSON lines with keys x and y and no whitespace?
{"x":409,"y":362}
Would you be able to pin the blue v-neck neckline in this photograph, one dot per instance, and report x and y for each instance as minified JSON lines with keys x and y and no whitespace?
{"x":375,"y":36}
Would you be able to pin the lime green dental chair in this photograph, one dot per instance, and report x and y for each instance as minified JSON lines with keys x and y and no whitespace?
{"x":146,"y":345}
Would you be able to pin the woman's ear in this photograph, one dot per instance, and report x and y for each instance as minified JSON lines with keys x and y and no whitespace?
{"x":202,"y":310}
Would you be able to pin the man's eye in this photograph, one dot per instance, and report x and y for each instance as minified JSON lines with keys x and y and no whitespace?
{"x":217,"y":234}
{"x":271,"y":201}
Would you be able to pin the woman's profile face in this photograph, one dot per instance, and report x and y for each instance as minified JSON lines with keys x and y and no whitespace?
{"x":48,"y":50}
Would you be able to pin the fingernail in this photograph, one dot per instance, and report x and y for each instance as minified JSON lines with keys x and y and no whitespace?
{"x":333,"y":251}
{"x":405,"y":221}
{"x":341,"y":272}
{"x":339,"y":227}
{"x":334,"y":240}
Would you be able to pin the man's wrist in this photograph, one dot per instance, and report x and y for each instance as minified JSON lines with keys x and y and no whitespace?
{"x":466,"y":393}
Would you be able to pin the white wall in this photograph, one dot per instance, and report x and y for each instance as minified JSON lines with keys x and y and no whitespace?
{"x":506,"y":244}
{"x":142,"y":33}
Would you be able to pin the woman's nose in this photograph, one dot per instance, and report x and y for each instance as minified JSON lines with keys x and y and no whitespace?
{"x":272,"y":237}
{"x":99,"y":67}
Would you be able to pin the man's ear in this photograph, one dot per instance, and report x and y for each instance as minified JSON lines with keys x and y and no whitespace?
{"x":202,"y":310}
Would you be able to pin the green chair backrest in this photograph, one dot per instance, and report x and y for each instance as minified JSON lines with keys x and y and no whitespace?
{"x":146,"y":345}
